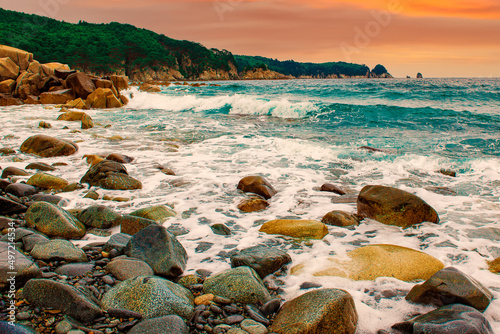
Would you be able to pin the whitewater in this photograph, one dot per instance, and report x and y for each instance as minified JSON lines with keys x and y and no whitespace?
{"x":300,"y":134}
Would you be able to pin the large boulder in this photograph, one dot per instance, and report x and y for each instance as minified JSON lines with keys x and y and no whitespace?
{"x":47,"y":181}
{"x":110,"y":175}
{"x":392,"y":206}
{"x":7,"y":86}
{"x":150,"y":296}
{"x":240,"y":285}
{"x":47,"y":147}
{"x":81,"y":84}
{"x":257,"y":185}
{"x":8,"y":69}
{"x":59,"y":250}
{"x":159,"y":248}
{"x":20,"y":57}
{"x":99,"y":216}
{"x":295,"y":228}
{"x":57,"y":97}
{"x":451,"y":286}
{"x":75,"y":302}
{"x":371,"y":262}
{"x":103,"y":98}
{"x":125,"y":268}
{"x":264,"y":260}
{"x":17,"y":271}
{"x":54,"y":221}
{"x":324,"y":311}
{"x":73,"y":116}
{"x":119,"y":81}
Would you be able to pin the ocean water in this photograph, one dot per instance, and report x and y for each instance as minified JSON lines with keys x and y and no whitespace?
{"x":300,"y":134}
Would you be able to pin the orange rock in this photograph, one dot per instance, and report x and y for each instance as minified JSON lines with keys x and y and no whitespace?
{"x":57,"y":97}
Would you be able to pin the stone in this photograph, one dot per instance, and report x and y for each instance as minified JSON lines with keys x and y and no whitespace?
{"x":150,"y":296}
{"x":6,"y":151}
{"x":159,"y":213}
{"x":47,"y":181}
{"x":9,"y":100}
{"x":340,"y":218}
{"x":75,"y":269}
{"x":257,"y":185}
{"x":102,"y":83}
{"x":30,"y":238}
{"x":44,"y":125}
{"x":81,"y":84}
{"x":62,"y":73}
{"x":113,"y":102}
{"x":50,"y":68}
{"x":7,"y":86}
{"x":110,"y":175}
{"x":449,"y":319}
{"x":40,"y":166}
{"x":332,"y":188}
{"x":77,"y":303}
{"x":58,"y":250}
{"x":121,"y":158}
{"x":447,"y":172}
{"x":392,"y":206}
{"x":72,"y":116}
{"x":102,"y":98}
{"x":32,"y":99}
{"x":20,"y":57}
{"x":132,"y":225}
{"x":205,"y":299}
{"x":57,"y":97}
{"x":494,"y":266}
{"x":170,"y":324}
{"x":323,"y":311}
{"x":263,"y":259}
{"x":99,"y":216}
{"x":159,"y":248}
{"x":149,"y":88}
{"x":253,"y":204}
{"x":119,"y":81}
{"x":295,"y":228}
{"x":72,"y":187}
{"x":8,"y":206}
{"x":54,"y":221}
{"x":117,"y":241}
{"x":240,"y":285}
{"x":46,"y":146}
{"x":13,"y":171}
{"x":373,"y":261}
{"x":125,"y":268}
{"x":54,"y":199}
{"x":253,"y":327}
{"x":16,"y":328}
{"x":24,"y":268}
{"x":76,"y":104}
{"x":21,"y":189}
{"x":451,"y":286}
{"x":220,"y":229}
{"x":8,"y":69}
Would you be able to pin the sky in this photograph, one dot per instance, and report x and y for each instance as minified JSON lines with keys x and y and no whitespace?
{"x":445,"y":38}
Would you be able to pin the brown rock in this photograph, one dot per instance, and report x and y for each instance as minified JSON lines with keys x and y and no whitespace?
{"x":9,"y":100}
{"x":9,"y":171}
{"x":47,"y":181}
{"x":253,"y":204}
{"x":494,"y":266}
{"x":49,"y":68}
{"x":100,"y":99}
{"x":7,"y":86}
{"x":149,"y":88}
{"x":340,"y":218}
{"x":93,"y":159}
{"x":36,"y":68}
{"x":119,"y":81}
{"x":44,"y":125}
{"x":46,"y":146}
{"x":57,"y":97}
{"x":81,"y":84}
{"x":32,"y":99}
{"x":77,"y":104}
{"x":62,"y":73}
{"x":120,"y":158}
{"x":113,"y":102}
{"x":101,"y":83}
{"x":77,"y":116}
{"x":295,"y":228}
{"x":332,"y":188}
{"x":8,"y":69}
{"x":47,"y":83}
{"x":20,"y":57}
{"x":257,"y":185}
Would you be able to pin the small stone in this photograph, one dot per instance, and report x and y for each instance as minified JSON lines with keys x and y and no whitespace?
{"x":309,"y":285}
{"x":254,"y":204}
{"x":270,"y":307}
{"x":257,"y":185}
{"x":205,"y":299}
{"x":220,"y":229}
{"x":332,"y":188}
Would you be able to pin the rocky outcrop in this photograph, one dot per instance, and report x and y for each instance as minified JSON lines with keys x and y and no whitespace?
{"x":261,"y":74}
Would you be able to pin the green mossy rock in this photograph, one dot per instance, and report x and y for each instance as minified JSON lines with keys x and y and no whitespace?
{"x":47,"y":181}
{"x":60,"y":250}
{"x":158,"y":213}
{"x":99,"y":216}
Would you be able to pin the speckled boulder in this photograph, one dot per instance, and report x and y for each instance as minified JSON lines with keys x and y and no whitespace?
{"x":159,"y":248}
{"x":132,"y":224}
{"x":125,"y":268}
{"x":46,"y":146}
{"x":150,"y":296}
{"x":324,"y":311}
{"x":257,"y":185}
{"x":392,"y":206}
{"x":24,"y":268}
{"x":158,"y":213}
{"x":75,"y":302}
{"x":170,"y":324}
{"x":241,"y":285}
{"x":263,"y":259}
{"x":58,"y":250}
{"x":450,"y":319}
{"x":340,"y":218}
{"x":47,"y":181}
{"x":99,"y":216}
{"x":54,"y":221}
{"x":451,"y":286}
{"x":371,"y":262}
{"x":296,"y":228}
{"x":110,"y":175}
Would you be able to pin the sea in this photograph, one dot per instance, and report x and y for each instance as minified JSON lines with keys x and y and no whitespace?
{"x":300,"y":134}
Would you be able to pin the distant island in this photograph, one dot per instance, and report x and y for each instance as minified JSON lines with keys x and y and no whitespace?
{"x":143,"y":55}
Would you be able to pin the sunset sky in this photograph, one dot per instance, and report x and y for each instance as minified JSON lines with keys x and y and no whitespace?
{"x":446,"y":38}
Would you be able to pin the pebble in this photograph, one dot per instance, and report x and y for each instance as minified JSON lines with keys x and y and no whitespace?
{"x":63,"y":327}
{"x":23,"y":316}
{"x":234,"y":319}
{"x":108,"y":280}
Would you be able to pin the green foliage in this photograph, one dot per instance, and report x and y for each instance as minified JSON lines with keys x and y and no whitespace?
{"x":379,"y":69}
{"x":291,"y":67}
{"x":105,"y":48}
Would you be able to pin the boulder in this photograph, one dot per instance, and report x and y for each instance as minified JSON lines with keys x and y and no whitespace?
{"x":371,"y":262}
{"x":121,"y":158}
{"x":101,"y":83}
{"x":76,"y":104}
{"x":72,"y":116}
{"x":81,"y":84}
{"x":9,"y":100}
{"x":75,"y":269}
{"x":150,"y":296}
{"x":253,"y":204}
{"x":8,"y":69}
{"x":18,"y":271}
{"x":159,"y":248}
{"x":49,"y":68}
{"x":494,"y":266}
{"x":20,"y":57}
{"x":58,"y":250}
{"x":63,"y":73}
{"x":117,"y":241}
{"x":103,"y":98}
{"x":7,"y":86}
{"x":99,"y":216}
{"x":295,"y":228}
{"x":77,"y":303}
{"x":257,"y":185}
{"x":332,"y":188}
{"x":21,"y":189}
{"x":450,"y":319}
{"x":57,"y":97}
{"x":323,"y":311}
{"x":119,"y":81}
{"x":42,"y":166}
{"x":110,"y":175}
{"x":263,"y":259}
{"x":340,"y":218}
{"x":132,"y":224}
{"x":392,"y":206}
{"x":48,"y":83}
{"x":8,"y":206}
{"x":47,"y":181}
{"x":169,"y":324}
{"x":36,"y":68}
{"x":159,"y":213}
{"x":47,"y":147}
{"x":54,"y":221}
{"x":9,"y":171}
{"x":149,"y":88}
{"x":451,"y":286}
{"x":32,"y":99}
{"x":126,"y":268}
{"x":240,"y":285}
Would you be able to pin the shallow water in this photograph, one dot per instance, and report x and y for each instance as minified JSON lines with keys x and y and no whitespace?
{"x":300,"y":134}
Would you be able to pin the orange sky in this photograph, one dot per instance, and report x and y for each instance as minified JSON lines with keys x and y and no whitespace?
{"x":440,"y":39}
